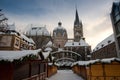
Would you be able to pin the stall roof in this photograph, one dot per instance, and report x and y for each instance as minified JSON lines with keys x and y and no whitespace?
{"x":16,"y":55}
{"x":85,"y":63}
{"x":46,"y":54}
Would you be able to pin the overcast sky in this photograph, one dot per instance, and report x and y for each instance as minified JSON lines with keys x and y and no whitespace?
{"x":94,"y":14}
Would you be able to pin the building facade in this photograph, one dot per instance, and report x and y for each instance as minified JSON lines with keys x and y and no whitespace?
{"x":13,"y":40}
{"x":105,"y":49}
{"x":59,"y":36}
{"x":40,"y":36}
{"x":78,"y":28}
{"x":76,"y":45}
{"x":10,"y":39}
{"x":115,"y":18}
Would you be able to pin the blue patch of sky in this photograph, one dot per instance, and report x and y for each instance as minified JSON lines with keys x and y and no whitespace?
{"x":20,"y":7}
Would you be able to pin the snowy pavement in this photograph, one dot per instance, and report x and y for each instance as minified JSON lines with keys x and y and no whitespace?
{"x":65,"y":75}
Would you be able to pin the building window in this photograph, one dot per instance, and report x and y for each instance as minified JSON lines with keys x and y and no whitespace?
{"x":17,"y":43}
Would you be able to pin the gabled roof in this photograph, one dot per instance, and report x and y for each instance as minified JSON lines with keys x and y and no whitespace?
{"x":49,"y":44}
{"x":105,"y":42}
{"x":75,"y":44}
{"x":48,"y":49}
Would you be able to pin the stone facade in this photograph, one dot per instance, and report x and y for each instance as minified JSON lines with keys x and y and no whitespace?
{"x":59,"y":36}
{"x":108,"y":51}
{"x":78,"y":28}
{"x":40,"y":35}
{"x":105,"y":49}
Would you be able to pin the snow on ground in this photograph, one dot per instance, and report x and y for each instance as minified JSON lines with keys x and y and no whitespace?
{"x":65,"y":75}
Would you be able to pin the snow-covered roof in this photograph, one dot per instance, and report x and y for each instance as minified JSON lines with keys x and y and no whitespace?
{"x":16,"y":55}
{"x":46,"y":54}
{"x":85,"y":63}
{"x":48,"y":49}
{"x":59,"y":28}
{"x":74,"y":44}
{"x":50,"y":64}
{"x":109,"y":60}
{"x":49,"y":44}
{"x":12,"y":30}
{"x":105,"y":42}
{"x":65,"y":63}
{"x":33,"y":31}
{"x":30,"y":40}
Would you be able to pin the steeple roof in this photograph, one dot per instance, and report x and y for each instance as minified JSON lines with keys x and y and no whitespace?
{"x":76,"y":22}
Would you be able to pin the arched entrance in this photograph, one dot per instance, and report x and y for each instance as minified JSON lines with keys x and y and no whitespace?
{"x":65,"y":58}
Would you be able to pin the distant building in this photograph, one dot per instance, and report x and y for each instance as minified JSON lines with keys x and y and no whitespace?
{"x":13,"y":40}
{"x":40,"y":36}
{"x":77,"y":44}
{"x":115,"y":18}
{"x":78,"y":28}
{"x":105,"y":49}
{"x":80,"y":47}
{"x":59,"y":36}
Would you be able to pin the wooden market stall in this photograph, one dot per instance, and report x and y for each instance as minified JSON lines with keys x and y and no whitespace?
{"x":104,"y":69}
{"x":23,"y":65}
{"x":52,"y":69}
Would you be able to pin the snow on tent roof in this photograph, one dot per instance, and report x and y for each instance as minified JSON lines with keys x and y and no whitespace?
{"x":46,"y":54}
{"x":73,"y":44}
{"x":15,"y":55}
{"x":105,"y":42}
{"x":48,"y":49}
{"x":27,"y":39}
{"x":31,"y":40}
{"x":109,"y":60}
{"x":50,"y":64}
{"x":33,"y":31}
{"x":85,"y":63}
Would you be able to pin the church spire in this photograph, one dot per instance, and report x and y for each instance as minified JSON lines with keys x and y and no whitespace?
{"x":78,"y":30}
{"x":77,"y":22}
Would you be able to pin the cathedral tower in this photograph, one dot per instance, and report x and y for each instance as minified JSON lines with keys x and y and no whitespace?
{"x":78,"y":30}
